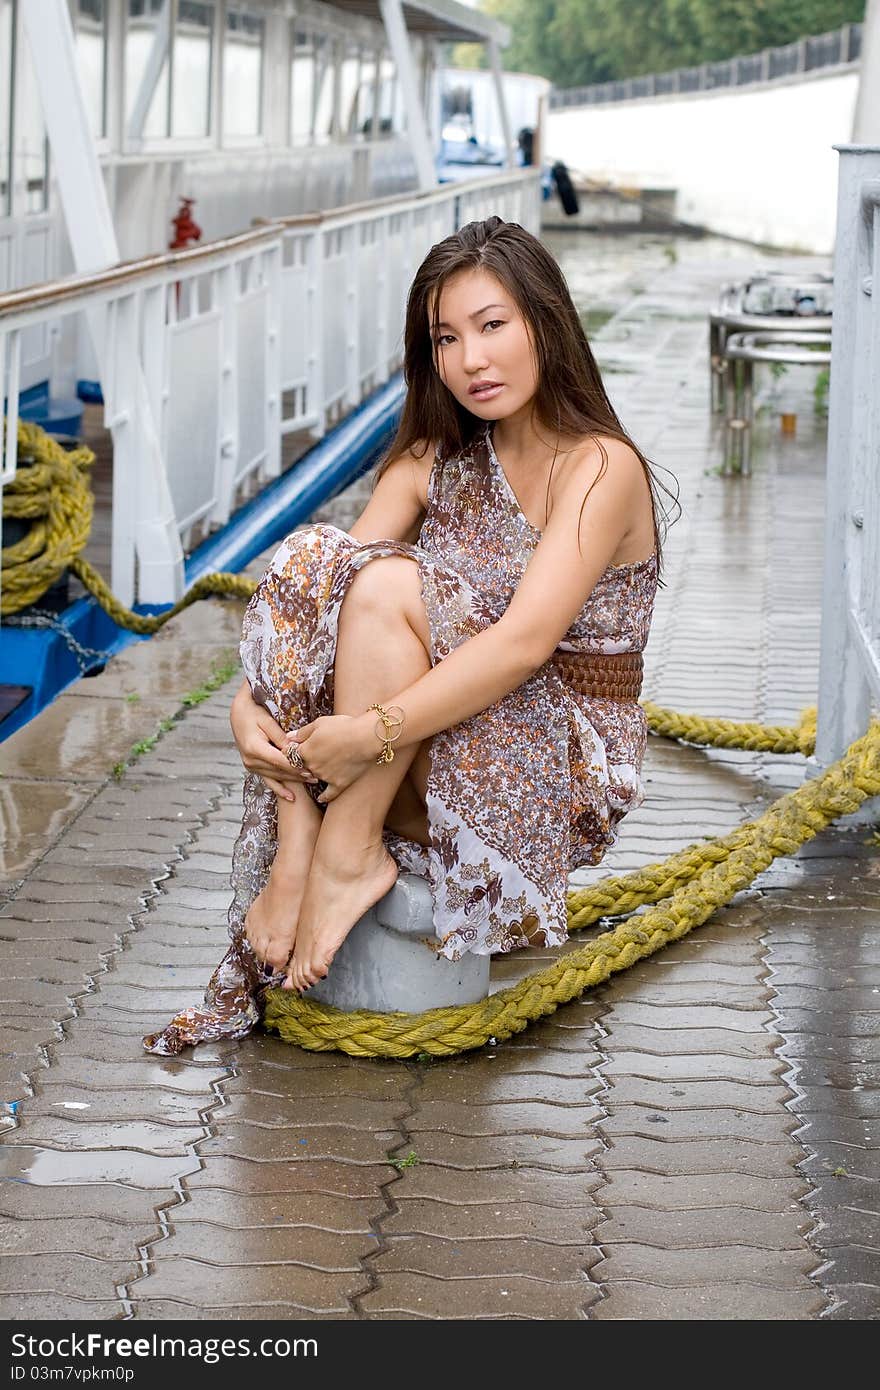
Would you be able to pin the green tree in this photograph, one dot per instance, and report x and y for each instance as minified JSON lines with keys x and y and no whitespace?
{"x":577,"y":42}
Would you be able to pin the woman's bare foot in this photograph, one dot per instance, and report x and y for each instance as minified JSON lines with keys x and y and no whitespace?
{"x":271,"y":921}
{"x":337,"y":895}
{"x":273,"y":916}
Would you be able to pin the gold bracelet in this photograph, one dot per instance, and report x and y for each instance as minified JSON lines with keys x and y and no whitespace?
{"x":386,"y":737}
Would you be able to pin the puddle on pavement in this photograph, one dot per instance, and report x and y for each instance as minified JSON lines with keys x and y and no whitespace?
{"x":23,"y":1163}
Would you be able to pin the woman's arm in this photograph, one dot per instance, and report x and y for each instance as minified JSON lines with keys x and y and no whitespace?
{"x":397,"y":506}
{"x":395,"y":511}
{"x":554,"y":588}
{"x":556,"y":584}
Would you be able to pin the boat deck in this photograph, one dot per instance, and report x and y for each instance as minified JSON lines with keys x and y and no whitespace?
{"x":698,"y":1138}
{"x":99,"y":440}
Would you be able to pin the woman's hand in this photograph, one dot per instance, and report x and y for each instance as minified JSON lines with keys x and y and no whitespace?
{"x":262,"y":743}
{"x":338,"y":748}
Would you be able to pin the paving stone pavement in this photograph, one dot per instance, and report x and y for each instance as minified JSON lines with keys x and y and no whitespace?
{"x":696,"y":1139}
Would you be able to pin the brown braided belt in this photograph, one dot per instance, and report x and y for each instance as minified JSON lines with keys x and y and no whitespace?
{"x":601,"y":675}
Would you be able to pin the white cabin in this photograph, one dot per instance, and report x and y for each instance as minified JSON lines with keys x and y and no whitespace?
{"x":307,"y":135}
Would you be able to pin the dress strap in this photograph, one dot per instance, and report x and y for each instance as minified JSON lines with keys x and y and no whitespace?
{"x":434,"y":477}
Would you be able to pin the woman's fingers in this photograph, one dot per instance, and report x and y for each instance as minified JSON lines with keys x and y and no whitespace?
{"x":298,"y":735}
{"x":272,"y":729}
{"x":278,"y":788}
{"x":263,"y":757}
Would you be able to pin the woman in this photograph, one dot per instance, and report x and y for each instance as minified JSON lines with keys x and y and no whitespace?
{"x":450,"y":687}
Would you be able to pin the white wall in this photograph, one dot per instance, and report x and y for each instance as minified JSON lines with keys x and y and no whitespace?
{"x":756,"y":162}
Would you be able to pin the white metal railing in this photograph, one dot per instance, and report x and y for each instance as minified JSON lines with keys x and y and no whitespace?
{"x":189,"y":344}
{"x":212,"y":354}
{"x":345,"y":277}
{"x":849,"y":674}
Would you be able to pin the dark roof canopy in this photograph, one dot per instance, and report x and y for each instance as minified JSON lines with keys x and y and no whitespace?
{"x":439,"y":19}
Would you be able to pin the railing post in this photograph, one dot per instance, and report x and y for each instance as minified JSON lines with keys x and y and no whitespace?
{"x":849,"y":666}
{"x":121,"y":418}
{"x":351,"y":242}
{"x":315,"y":402}
{"x":271,"y":261}
{"x":226,"y":299}
{"x":382,"y":333}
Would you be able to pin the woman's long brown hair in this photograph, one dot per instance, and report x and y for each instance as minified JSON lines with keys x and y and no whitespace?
{"x":570,"y":398}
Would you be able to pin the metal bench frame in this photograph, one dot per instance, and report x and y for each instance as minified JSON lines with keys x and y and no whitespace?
{"x":797,"y":348}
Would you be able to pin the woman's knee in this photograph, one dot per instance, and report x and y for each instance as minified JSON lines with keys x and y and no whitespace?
{"x":388,"y":582}
{"x":297,"y":554}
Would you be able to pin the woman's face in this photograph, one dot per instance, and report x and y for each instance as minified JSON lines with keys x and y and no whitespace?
{"x":483,"y":337}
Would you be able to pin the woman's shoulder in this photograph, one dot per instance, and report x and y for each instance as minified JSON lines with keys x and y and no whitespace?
{"x":601,"y":455}
{"x":412,"y":469}
{"x":591,"y":450}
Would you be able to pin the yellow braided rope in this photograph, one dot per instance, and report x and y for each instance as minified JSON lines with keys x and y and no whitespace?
{"x":53,"y":492}
{"x":706,"y":877}
{"x":731,"y":733}
{"x":217,"y":584}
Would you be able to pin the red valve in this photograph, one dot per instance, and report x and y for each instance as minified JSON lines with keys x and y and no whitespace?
{"x":185,"y":228}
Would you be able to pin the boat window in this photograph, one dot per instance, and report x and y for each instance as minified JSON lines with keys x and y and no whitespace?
{"x":90,"y":32}
{"x":147,"y":42}
{"x":366,"y":96}
{"x":390,"y":109}
{"x":302,"y":86}
{"x":325,"y":86}
{"x":243,"y":74}
{"x":349,"y":79}
{"x":31,"y":144}
{"x":5,"y":108}
{"x":191,"y":84}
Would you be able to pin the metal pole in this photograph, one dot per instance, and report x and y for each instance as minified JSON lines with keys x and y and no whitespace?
{"x":93,"y":244}
{"x":866,"y":121}
{"x":498,"y":79}
{"x":417,"y":130}
{"x":844,"y":688}
{"x":151,"y":74}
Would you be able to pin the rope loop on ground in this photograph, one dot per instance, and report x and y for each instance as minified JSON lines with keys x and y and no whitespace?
{"x":685,"y":890}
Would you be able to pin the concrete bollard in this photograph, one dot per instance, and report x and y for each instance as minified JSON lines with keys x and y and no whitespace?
{"x":386,"y":962}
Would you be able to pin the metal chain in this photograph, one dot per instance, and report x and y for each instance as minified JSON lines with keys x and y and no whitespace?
{"x":85,"y":657}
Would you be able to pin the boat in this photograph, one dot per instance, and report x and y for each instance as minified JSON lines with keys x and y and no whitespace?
{"x":211,"y":215}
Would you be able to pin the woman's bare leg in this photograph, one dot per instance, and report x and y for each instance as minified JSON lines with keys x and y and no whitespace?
{"x":383,"y":645}
{"x":408,"y":814}
{"x":271,"y":921}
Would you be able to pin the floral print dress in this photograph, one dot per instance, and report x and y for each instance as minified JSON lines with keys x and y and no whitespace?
{"x":518,"y":796}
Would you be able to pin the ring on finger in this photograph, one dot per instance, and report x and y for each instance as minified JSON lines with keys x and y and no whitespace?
{"x":294,"y":756}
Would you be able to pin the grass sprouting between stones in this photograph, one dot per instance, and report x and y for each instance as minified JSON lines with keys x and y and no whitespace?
{"x":223,"y":670}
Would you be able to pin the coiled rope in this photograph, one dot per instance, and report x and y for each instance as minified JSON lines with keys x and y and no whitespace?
{"x":51,"y":489}
{"x":684,"y":889}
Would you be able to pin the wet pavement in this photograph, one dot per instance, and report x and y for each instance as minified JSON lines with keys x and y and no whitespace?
{"x":696,"y":1139}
